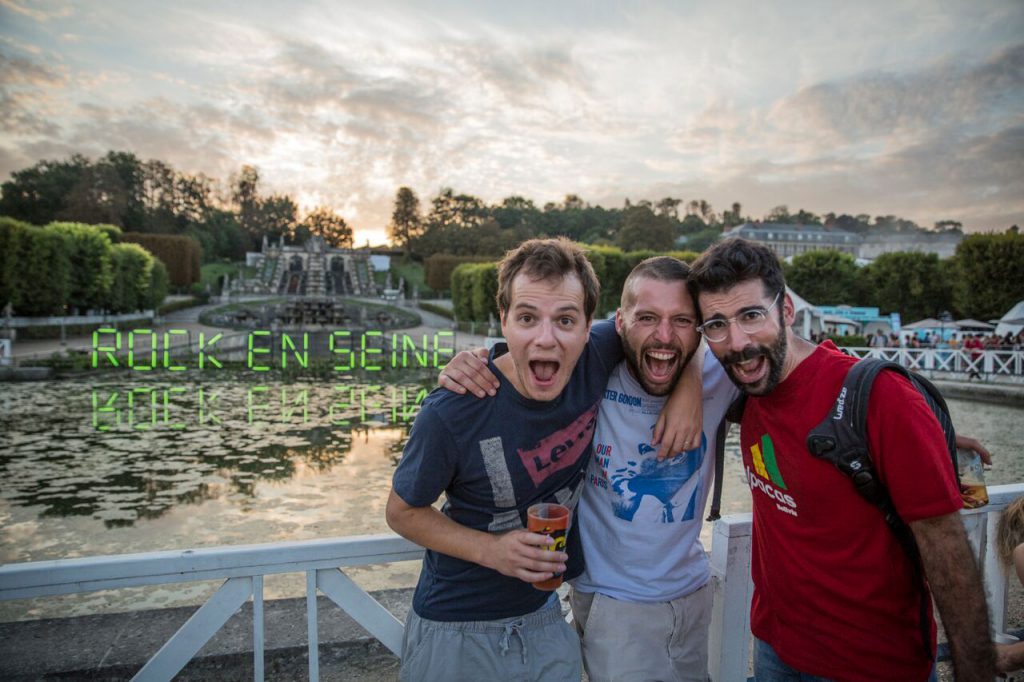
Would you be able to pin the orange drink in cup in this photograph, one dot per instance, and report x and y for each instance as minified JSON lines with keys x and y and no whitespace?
{"x":549,"y":519}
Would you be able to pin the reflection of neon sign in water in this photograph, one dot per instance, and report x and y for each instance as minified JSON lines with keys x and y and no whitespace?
{"x":143,"y":408}
{"x":369,"y":350}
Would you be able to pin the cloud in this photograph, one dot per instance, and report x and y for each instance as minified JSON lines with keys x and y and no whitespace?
{"x":883,"y":105}
{"x":26,"y":95}
{"x":35,"y":12}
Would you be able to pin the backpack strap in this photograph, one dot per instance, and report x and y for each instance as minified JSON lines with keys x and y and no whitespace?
{"x":716,"y":495}
{"x":841,"y":439}
{"x":734,"y":414}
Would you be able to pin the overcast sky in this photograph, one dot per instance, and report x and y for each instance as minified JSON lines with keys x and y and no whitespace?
{"x":908,"y":108}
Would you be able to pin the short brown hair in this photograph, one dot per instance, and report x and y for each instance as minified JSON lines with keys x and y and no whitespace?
{"x":659,"y":268}
{"x":543,"y":259}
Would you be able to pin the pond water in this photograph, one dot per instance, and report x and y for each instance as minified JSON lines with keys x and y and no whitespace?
{"x":124,"y":464}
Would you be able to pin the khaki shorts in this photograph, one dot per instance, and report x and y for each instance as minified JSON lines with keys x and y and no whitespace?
{"x":635,"y":642}
{"x":537,"y":647}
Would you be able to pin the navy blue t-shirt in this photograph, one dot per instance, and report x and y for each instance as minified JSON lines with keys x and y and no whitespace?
{"x":493,"y":458}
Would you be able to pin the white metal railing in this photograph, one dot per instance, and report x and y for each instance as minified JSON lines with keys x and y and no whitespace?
{"x":991,"y":365}
{"x":243,"y":569}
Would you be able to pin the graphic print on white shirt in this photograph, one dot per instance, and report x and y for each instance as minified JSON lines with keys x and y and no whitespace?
{"x":642,"y":481}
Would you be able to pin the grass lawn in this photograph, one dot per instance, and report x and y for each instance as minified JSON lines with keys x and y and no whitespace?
{"x":212,"y":274}
{"x":413,"y":274}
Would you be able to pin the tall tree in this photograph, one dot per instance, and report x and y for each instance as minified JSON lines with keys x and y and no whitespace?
{"x":990,"y":274}
{"x":912,"y":284}
{"x":323,"y":222}
{"x":779,"y":214}
{"x":406,"y":223}
{"x":99,"y":196}
{"x":642,"y":229}
{"x":245,"y":196}
{"x":278,"y":216}
{"x":669,"y":207}
{"x":824,"y":277}
{"x":455,"y":210}
{"x":38,"y":193}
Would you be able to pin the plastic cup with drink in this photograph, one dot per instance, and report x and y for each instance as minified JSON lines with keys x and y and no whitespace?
{"x":972,"y":478}
{"x":553,"y":520}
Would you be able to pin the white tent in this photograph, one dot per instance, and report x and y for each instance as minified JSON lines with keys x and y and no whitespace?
{"x":1013,"y":321}
{"x":808,"y":319}
{"x":969,"y":325}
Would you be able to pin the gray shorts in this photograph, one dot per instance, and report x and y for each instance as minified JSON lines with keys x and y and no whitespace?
{"x":537,"y":647}
{"x":629,"y":641}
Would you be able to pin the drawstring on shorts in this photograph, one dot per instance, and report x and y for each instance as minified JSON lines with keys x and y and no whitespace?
{"x":513,"y":627}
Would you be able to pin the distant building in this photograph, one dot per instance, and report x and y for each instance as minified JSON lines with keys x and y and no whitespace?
{"x":943,"y":244}
{"x":792,"y":240}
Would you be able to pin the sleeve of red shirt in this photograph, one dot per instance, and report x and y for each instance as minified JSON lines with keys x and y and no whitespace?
{"x":909,"y":450}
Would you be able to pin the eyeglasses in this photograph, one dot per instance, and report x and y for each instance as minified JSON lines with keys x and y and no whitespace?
{"x":750,"y":321}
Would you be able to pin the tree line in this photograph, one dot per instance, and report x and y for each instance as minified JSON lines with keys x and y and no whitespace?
{"x":464,"y":225}
{"x":231,"y":217}
{"x":227,"y":219}
{"x":983,"y":279}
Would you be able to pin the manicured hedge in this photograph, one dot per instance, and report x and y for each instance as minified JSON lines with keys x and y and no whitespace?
{"x":73,"y":267}
{"x":438,"y":269}
{"x":91,"y":266}
{"x":182,"y":255}
{"x":37,"y":271}
{"x":475,"y":285}
{"x":485,"y":289}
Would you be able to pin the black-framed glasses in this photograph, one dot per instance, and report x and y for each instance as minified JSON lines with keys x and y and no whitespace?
{"x":750,"y":321}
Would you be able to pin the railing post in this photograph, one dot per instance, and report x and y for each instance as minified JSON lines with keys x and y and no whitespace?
{"x":311,"y":626}
{"x":729,"y":641}
{"x":994,"y":575}
{"x":257,"y":628}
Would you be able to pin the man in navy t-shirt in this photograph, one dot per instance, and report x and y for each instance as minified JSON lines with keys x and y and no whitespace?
{"x":476,"y":614}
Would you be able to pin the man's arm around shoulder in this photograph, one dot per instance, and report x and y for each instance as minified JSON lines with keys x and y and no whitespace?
{"x":956,"y":585}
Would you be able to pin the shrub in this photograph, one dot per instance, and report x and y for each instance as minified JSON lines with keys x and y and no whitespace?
{"x":132,"y":277}
{"x":91,"y":272}
{"x":159,"y":283}
{"x":182,"y":255}
{"x":38,"y":271}
{"x":438,"y":269}
{"x":485,"y":288}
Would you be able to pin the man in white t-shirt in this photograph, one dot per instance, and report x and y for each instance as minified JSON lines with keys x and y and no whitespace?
{"x":642,"y":605}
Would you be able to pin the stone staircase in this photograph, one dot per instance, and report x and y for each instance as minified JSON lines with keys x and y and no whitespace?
{"x":315,"y":277}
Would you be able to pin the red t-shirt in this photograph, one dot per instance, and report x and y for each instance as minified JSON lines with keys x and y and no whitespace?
{"x":834,"y":593}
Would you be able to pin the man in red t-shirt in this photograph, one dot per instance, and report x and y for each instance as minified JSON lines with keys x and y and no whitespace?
{"x":835,"y":596}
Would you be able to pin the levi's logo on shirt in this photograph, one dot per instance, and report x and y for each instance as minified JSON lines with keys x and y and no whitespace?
{"x":561,"y":449}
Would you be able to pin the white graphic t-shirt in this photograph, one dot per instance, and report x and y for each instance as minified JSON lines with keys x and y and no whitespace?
{"x":640,"y":519}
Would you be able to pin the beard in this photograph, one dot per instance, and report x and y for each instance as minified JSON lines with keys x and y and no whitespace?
{"x":635,"y":360}
{"x":774,"y":355}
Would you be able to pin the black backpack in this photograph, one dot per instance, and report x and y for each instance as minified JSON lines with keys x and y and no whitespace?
{"x":841,"y":439}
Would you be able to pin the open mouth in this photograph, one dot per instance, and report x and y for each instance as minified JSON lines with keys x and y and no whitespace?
{"x":544,"y":371}
{"x":660,"y":364}
{"x":749,"y":371}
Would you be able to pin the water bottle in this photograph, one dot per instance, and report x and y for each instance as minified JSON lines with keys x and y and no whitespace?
{"x":972,"y":478}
